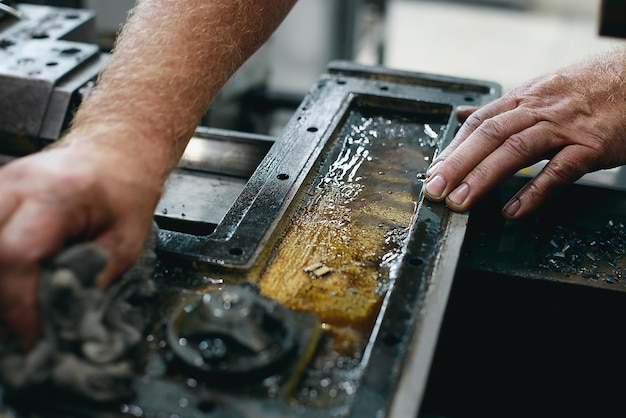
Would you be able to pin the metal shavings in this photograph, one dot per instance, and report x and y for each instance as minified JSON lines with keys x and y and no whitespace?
{"x":594,"y":255}
{"x":322,"y":271}
{"x":312,"y":267}
{"x":318,"y":269}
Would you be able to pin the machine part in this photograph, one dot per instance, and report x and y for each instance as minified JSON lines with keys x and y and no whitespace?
{"x":46,"y":60}
{"x":612,"y":19}
{"x":232,"y":333}
{"x":215,"y":167}
{"x":10,"y":10}
{"x":90,"y":336}
{"x":331,"y":225}
{"x":339,"y":193}
{"x":239,"y":237}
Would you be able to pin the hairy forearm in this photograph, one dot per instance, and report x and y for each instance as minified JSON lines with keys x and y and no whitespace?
{"x":167,"y":65}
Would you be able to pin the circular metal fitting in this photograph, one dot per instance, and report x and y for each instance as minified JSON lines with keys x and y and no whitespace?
{"x":233,"y":331}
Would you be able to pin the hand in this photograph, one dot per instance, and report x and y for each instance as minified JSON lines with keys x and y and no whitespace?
{"x":575,"y":118}
{"x":66,"y":194}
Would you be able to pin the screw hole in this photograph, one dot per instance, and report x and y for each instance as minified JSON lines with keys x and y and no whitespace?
{"x":70,"y":51}
{"x":39,"y":35}
{"x":235,"y":251}
{"x":312,"y":129}
{"x":415,"y":262}
{"x":282,"y":176}
{"x":391,"y":339}
{"x":207,"y":406}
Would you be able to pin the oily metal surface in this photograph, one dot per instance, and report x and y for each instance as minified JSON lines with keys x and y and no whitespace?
{"x":333,"y":226}
{"x":240,"y":236}
{"x":336,"y":256}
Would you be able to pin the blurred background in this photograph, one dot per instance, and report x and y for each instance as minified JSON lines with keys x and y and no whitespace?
{"x":506,"y":41}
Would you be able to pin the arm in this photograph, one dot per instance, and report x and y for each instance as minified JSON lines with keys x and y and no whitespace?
{"x":102,"y":181}
{"x":575,"y":117}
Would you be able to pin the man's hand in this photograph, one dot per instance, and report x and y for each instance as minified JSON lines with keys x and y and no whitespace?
{"x":59,"y":196}
{"x":575,"y":118}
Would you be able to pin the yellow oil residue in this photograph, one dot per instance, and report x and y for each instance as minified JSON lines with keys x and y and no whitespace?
{"x":336,"y":252}
{"x":344,"y":286}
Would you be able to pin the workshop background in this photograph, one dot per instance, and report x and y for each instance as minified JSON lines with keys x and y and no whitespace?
{"x":506,"y":41}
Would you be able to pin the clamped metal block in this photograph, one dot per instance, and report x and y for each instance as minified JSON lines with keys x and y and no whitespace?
{"x":48,"y":60}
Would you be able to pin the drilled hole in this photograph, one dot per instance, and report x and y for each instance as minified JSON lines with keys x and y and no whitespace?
{"x":70,"y":51}
{"x":415,"y":262}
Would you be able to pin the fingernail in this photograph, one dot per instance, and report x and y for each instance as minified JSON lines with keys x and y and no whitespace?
{"x":432,"y":168}
{"x":512,"y":207}
{"x":459,"y":194}
{"x":435,"y":186}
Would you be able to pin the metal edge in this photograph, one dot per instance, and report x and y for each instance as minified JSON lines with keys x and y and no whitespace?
{"x":407,"y":398}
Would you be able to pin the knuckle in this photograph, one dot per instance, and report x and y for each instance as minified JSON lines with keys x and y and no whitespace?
{"x":480,"y":174}
{"x":492,"y":130}
{"x":517,"y":145}
{"x":473,"y":121}
{"x":561,"y":172}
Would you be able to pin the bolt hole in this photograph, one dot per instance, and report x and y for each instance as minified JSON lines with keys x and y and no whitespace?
{"x":207,"y":406}
{"x":39,"y":35}
{"x":70,"y":51}
{"x":51,"y":64}
{"x":469,"y":99}
{"x":5,"y":43}
{"x":391,"y":339}
{"x":312,"y":129}
{"x":282,"y":176}
{"x":383,"y":88}
{"x":235,"y":251}
{"x":415,"y":262}
{"x":341,"y":81}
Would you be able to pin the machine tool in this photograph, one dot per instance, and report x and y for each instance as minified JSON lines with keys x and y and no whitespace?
{"x":305,"y":275}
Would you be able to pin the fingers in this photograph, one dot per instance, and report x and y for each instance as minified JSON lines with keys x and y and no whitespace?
{"x":27,"y":239}
{"x":8,"y":203}
{"x":474,"y":119}
{"x":492,"y":146}
{"x":18,"y":306}
{"x":564,"y":168}
{"x":123,"y":252}
{"x":30,"y":233}
{"x":494,"y":150}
